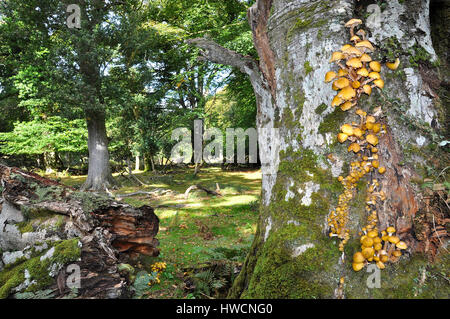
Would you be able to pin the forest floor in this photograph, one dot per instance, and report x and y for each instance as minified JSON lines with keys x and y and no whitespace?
{"x":196,"y":234}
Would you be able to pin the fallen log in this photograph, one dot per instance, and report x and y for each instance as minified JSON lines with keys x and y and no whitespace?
{"x":208,"y":191}
{"x":40,"y":217}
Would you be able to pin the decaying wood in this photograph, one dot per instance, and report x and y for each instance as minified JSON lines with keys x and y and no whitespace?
{"x":110,"y":232}
{"x":211,"y":192}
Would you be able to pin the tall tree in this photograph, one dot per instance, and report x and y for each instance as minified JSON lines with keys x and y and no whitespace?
{"x":292,"y":255}
{"x":55,"y":69}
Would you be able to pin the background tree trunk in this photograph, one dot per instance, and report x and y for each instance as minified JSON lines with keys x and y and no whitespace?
{"x":99,"y":172}
{"x":292,"y":255}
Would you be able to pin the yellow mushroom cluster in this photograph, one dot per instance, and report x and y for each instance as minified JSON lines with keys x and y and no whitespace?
{"x":379,"y":248}
{"x":157,"y":269}
{"x":362,"y":138}
{"x":358,"y":73}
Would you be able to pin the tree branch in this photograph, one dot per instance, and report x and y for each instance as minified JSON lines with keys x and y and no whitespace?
{"x":214,"y":52}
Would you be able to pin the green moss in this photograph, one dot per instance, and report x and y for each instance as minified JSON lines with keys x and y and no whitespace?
{"x":306,"y":17}
{"x":321,"y":108}
{"x":417,"y":54}
{"x":12,"y":276}
{"x":332,"y":122}
{"x":90,"y":201}
{"x":25,"y":227}
{"x":308,"y":68}
{"x":402,"y":280}
{"x":279,"y":275}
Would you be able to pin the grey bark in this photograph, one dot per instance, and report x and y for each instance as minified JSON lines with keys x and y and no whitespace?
{"x":295,"y":40}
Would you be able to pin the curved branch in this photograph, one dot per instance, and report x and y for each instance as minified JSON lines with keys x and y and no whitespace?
{"x":213,"y":52}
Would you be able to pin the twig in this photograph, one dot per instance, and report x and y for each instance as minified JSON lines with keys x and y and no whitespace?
{"x":439,"y":237}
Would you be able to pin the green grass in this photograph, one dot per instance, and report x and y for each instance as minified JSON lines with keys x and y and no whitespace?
{"x":191,"y":232}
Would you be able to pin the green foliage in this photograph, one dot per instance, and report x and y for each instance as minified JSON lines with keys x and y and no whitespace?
{"x":38,"y":137}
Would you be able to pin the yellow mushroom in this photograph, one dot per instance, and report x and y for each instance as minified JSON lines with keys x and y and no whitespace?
{"x":346,"y":106}
{"x":354,"y":147}
{"x":347,"y":129}
{"x":342,"y":137}
{"x":393,"y":65}
{"x":336,"y":101}
{"x":367,"y":89}
{"x":354,"y":63}
{"x":347,"y":93}
{"x":341,"y":83}
{"x":365,"y":58}
{"x":357,"y":266}
{"x":372,"y":139}
{"x":375,"y":66}
{"x":379,"y":83}
{"x":330,"y":76}
{"x":336,"y":56}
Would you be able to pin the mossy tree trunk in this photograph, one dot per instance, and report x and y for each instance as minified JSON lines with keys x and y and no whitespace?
{"x":292,"y":255}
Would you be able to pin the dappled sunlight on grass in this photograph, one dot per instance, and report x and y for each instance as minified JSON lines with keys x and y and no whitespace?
{"x":191,"y":229}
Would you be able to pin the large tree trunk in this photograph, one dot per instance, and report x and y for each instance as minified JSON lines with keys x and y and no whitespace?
{"x":99,"y":172}
{"x":292,"y":255}
{"x":45,"y":227}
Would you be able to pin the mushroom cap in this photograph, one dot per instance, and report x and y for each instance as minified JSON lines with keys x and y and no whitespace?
{"x":372,"y":139}
{"x":366,"y":58}
{"x":347,"y":129}
{"x":353,"y":22}
{"x":376,"y":128}
{"x":370,"y":119}
{"x":341,"y":83}
{"x":352,"y":51}
{"x":342,"y":72}
{"x":393,"y":239}
{"x":375,"y":163}
{"x":367,"y":242}
{"x":367,"y":89}
{"x":336,"y":56}
{"x":356,"y":84}
{"x":401,"y":245}
{"x":362,"y":71}
{"x":374,"y":75}
{"x":357,"y":266}
{"x":379,"y":83}
{"x":397,"y":253}
{"x":372,"y":234}
{"x":384,"y":258}
{"x":347,"y":93}
{"x":390,"y":229}
{"x":381,"y":170}
{"x":336,"y":101}
{"x":354,"y":147}
{"x":375,"y":66}
{"x":361,"y":32}
{"x":365,"y":44}
{"x":355,"y":38}
{"x":330,"y":76}
{"x":346,"y":106}
{"x":342,"y":137}
{"x":358,"y":133}
{"x":380,"y":265}
{"x":393,"y":65}
{"x":354,"y":63}
{"x":368,"y":252}
{"x":377,"y":246}
{"x":358,"y":257}
{"x":377,"y":240}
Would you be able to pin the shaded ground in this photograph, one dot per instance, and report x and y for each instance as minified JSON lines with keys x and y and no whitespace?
{"x":201,"y":230}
